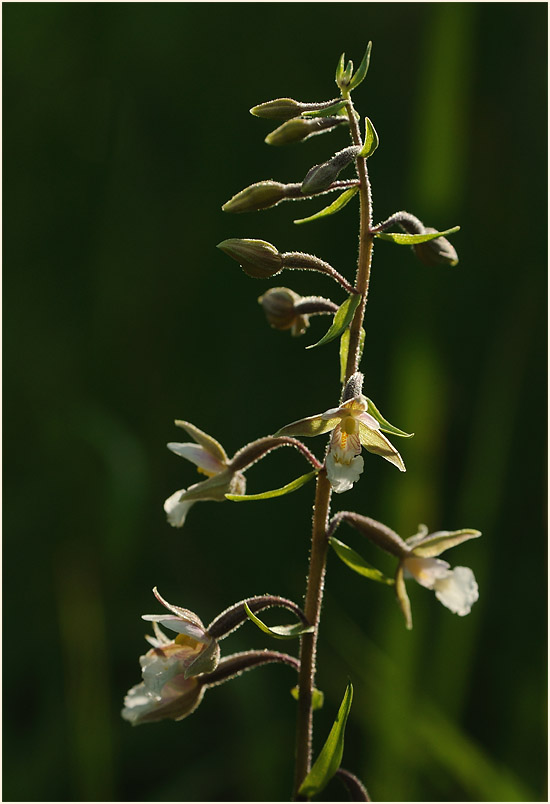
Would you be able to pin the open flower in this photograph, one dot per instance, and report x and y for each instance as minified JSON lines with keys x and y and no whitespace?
{"x":352,"y":428}
{"x":456,"y":588}
{"x":211,"y":460}
{"x":170,"y":687}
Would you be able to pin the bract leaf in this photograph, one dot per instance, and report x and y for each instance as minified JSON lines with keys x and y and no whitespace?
{"x":279,"y":631}
{"x":267,"y":495}
{"x":362,"y":69}
{"x":340,"y":68}
{"x":357,"y":563}
{"x":371,"y":140}
{"x":436,"y":543}
{"x":317,"y":699}
{"x":336,"y":108}
{"x":410,"y":240}
{"x":328,"y":761}
{"x":403,"y":598}
{"x":344,"y":349}
{"x":341,"y":320}
{"x":384,"y":423}
{"x":336,"y":206}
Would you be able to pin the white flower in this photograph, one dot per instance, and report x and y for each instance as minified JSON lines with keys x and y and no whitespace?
{"x":456,"y":588}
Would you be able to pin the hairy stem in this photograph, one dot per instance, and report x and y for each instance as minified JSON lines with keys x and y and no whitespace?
{"x":312,"y":608}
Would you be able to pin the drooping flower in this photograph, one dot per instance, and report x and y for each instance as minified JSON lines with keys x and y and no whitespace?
{"x":352,"y":428}
{"x":456,"y":588}
{"x":211,"y":460}
{"x":170,"y":687}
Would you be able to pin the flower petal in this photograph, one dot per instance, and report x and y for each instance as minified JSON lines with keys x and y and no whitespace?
{"x":179,"y":625}
{"x":426,"y":571}
{"x":197,"y":455}
{"x":187,"y":615}
{"x":342,"y":476}
{"x":176,"y":511}
{"x":210,"y":444}
{"x":458,"y":591}
{"x":375,"y":441}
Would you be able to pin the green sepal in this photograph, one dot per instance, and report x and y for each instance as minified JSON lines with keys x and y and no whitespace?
{"x":357,"y":563}
{"x":336,"y":206}
{"x":436,"y":543}
{"x":362,"y":70}
{"x":341,"y":320}
{"x":384,"y":423}
{"x":279,"y":631}
{"x":330,"y":758}
{"x":371,"y":140}
{"x":267,"y":495}
{"x":410,"y":240}
{"x":317,"y":699}
{"x":336,"y":108}
{"x":344,"y":349}
{"x":348,"y":72}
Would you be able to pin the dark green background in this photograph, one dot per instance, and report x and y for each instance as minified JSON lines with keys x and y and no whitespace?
{"x":125,"y":129}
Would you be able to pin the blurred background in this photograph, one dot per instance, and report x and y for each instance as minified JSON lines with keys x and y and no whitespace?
{"x":126,"y":127}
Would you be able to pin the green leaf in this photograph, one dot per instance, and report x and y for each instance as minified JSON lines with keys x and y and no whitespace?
{"x":362,"y":70}
{"x":328,"y":761}
{"x":336,"y":206}
{"x":328,"y":111}
{"x":317,"y":700}
{"x":384,"y":423}
{"x":267,"y":495}
{"x":371,"y":140}
{"x":279,"y":631}
{"x":411,"y":240}
{"x":340,"y":69}
{"x":341,"y":320}
{"x":344,"y":349}
{"x":357,"y":563}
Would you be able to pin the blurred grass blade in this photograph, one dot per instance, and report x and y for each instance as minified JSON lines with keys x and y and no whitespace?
{"x":336,"y":206}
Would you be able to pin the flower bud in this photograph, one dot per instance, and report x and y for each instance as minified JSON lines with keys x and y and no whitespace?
{"x":256,"y":257}
{"x":300,"y":129}
{"x":287,"y":108}
{"x":279,"y":307}
{"x":436,"y":252}
{"x":320,"y":177}
{"x":258,"y":196}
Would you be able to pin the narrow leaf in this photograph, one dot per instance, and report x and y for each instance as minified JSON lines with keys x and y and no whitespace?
{"x":411,"y":240}
{"x":317,"y":699}
{"x":344,"y":349}
{"x":341,"y":320}
{"x":384,"y":423}
{"x":328,"y":761}
{"x":357,"y":563}
{"x":279,"y":631}
{"x":328,"y":111}
{"x":371,"y":140}
{"x":340,"y":68}
{"x":362,"y":70}
{"x":336,"y":206}
{"x":267,"y":495}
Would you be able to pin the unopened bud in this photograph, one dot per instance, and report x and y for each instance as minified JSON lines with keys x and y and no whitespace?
{"x":287,"y":108}
{"x":353,"y":387}
{"x":436,"y":252}
{"x":320,"y":177}
{"x":279,"y":305}
{"x":301,"y":128}
{"x":262,"y":195}
{"x":257,"y":258}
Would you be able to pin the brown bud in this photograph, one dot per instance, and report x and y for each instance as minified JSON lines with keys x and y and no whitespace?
{"x":301,"y":128}
{"x":257,"y":258}
{"x":287,"y":108}
{"x":436,"y":252}
{"x":262,"y":195}
{"x":279,"y":307}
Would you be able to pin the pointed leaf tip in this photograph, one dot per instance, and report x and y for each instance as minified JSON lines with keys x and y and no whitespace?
{"x":336,"y":206}
{"x":279,"y":631}
{"x":341,"y":320}
{"x":267,"y":495}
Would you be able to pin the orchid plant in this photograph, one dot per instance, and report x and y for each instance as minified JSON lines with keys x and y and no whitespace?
{"x":177,"y":671}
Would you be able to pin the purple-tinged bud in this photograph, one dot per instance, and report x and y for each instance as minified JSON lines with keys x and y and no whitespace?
{"x":279,"y":305}
{"x":287,"y":108}
{"x":436,"y":252}
{"x":257,"y":258}
{"x":262,"y":195}
{"x":320,"y":177}
{"x":353,"y":387}
{"x":300,"y":129}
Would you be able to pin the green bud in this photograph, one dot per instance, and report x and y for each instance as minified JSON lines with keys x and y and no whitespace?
{"x":320,"y":177}
{"x":287,"y":108}
{"x":300,"y":129}
{"x":261,"y":195}
{"x":436,"y":252}
{"x":256,"y":257}
{"x":279,"y":305}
